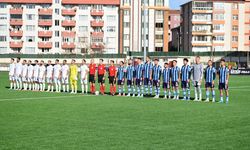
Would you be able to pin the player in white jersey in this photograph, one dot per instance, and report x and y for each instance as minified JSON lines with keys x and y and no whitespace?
{"x":197,"y":78}
{"x":35,"y":76}
{"x":12,"y":74}
{"x":18,"y":74}
{"x":65,"y":76}
{"x":41,"y":79}
{"x":57,"y":75}
{"x":49,"y":76}
{"x":30,"y":74}
{"x":24,"y":74}
{"x":84,"y":69}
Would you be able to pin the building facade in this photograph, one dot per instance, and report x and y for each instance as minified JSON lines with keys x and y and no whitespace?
{"x":215,"y":25}
{"x":59,"y":26}
{"x":174,"y":21}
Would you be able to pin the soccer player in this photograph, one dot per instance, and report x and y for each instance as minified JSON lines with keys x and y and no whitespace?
{"x":197,"y":78}
{"x":101,"y":76}
{"x":24,"y":74}
{"x":35,"y":76}
{"x":73,"y":76}
{"x":49,"y":76}
{"x":175,"y":78}
{"x":12,"y":74}
{"x":223,"y":80}
{"x":57,"y":76}
{"x":18,"y":73}
{"x":210,"y":75}
{"x":65,"y":76}
{"x":166,"y":74}
{"x":112,"y":77}
{"x":130,"y":77}
{"x":84,"y":76}
{"x":121,"y":78}
{"x":42,"y":71}
{"x":157,"y":77}
{"x":92,"y":74}
{"x":30,"y":75}
{"x":185,"y":79}
{"x":139,"y":75}
{"x":147,"y":75}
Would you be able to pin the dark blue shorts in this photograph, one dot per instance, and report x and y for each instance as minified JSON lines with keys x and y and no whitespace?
{"x":120,"y":82}
{"x":156,"y":83}
{"x":223,"y":86}
{"x":129,"y":82}
{"x":185,"y":84}
{"x":138,"y":82}
{"x":209,"y":85}
{"x":147,"y":81}
{"x":175,"y":83}
{"x":166,"y":85}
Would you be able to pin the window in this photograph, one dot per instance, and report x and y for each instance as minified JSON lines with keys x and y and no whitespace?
{"x":126,"y":49}
{"x":235,"y":17}
{"x":57,"y":33}
{"x":83,"y":39}
{"x":202,"y":17}
{"x":110,"y":40}
{"x":68,"y":39}
{"x":219,"y":17}
{"x":235,"y":38}
{"x":219,"y":48}
{"x":83,"y":7}
{"x":3,"y":38}
{"x":219,"y":38}
{"x":3,"y":6}
{"x":30,"y":28}
{"x":202,"y":5}
{"x":235,"y":6}
{"x":126,"y":2}
{"x":30,"y":50}
{"x":219,"y":27}
{"x":126,"y":24}
{"x":3,"y":28}
{"x":126,"y":12}
{"x":57,"y":11}
{"x":30,"y":6}
{"x":110,"y":28}
{"x":202,"y":28}
{"x":159,"y":2}
{"x":83,"y":28}
{"x":219,"y":5}
{"x":126,"y":36}
{"x":57,"y":22}
{"x":111,"y":18}
{"x":57,"y":1}
{"x":97,"y":40}
{"x":83,"y":17}
{"x":30,"y":39}
{"x":30,"y":16}
{"x":3,"y":50}
{"x":201,"y":38}
{"x":3,"y":16}
{"x":235,"y":28}
{"x":57,"y":44}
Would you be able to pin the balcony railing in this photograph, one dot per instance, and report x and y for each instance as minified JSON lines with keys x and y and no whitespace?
{"x":68,"y":45}
{"x":45,"y":33}
{"x":16,"y":44}
{"x":45,"y":22}
{"x":45,"y":11}
{"x":97,"y":46}
{"x":68,"y":33}
{"x":16,"y":22}
{"x":97,"y":34}
{"x":45,"y":45}
{"x":16,"y":33}
{"x":96,"y":23}
{"x":95,"y":12}
{"x":68,"y":12}
{"x":16,"y":10}
{"x":68,"y":23}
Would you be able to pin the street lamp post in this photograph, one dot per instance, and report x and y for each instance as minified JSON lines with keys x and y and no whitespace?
{"x":144,"y":30}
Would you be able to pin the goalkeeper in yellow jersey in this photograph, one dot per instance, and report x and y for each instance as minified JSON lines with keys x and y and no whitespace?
{"x":73,"y":76}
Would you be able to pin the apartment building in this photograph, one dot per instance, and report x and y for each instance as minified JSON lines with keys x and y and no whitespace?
{"x":174,"y":21}
{"x":132,"y":25}
{"x":59,"y":26}
{"x":215,"y":25}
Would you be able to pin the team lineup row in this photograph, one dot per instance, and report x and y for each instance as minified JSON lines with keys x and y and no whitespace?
{"x":140,"y":77}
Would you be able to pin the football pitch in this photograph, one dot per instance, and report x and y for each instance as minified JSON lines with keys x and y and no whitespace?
{"x":41,"y":120}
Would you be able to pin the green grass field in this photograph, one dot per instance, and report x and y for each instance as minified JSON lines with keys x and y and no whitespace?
{"x":35,"y":120}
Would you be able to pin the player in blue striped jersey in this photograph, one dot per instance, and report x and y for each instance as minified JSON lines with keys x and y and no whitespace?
{"x":175,"y":78}
{"x":138,"y":77}
{"x":185,"y":79}
{"x":223,"y":73}
{"x":147,"y":75}
{"x":166,"y":75}
{"x":130,"y":77}
{"x":156,"y":77}
{"x":121,"y":78}
{"x":210,"y":75}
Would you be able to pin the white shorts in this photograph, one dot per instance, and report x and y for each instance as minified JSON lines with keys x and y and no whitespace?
{"x":65,"y":80}
{"x":24,"y":79}
{"x":11,"y":77}
{"x":49,"y":80}
{"x":18,"y":78}
{"x":41,"y":80}
{"x":84,"y":81}
{"x":56,"y":80}
{"x":30,"y":79}
{"x":35,"y":79}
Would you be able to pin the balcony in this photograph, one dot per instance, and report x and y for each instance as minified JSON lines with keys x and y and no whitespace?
{"x":68,"y":12}
{"x":16,"y":11}
{"x":45,"y":22}
{"x":97,"y":46}
{"x":68,"y":23}
{"x":201,"y":44}
{"x":47,"y":45}
{"x":68,"y":33}
{"x":96,"y":23}
{"x":97,"y":34}
{"x":45,"y":11}
{"x":95,"y":12}
{"x":16,"y":44}
{"x":16,"y":22}
{"x":201,"y":32}
{"x":45,"y":33}
{"x":16,"y":33}
{"x":197,"y":11}
{"x":68,"y":45}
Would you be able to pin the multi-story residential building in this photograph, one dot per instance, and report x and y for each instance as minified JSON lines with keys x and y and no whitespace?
{"x":174,"y":21}
{"x":59,"y":26}
{"x":215,"y":25}
{"x":132,"y":25}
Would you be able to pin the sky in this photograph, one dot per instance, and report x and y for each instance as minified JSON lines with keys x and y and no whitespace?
{"x":175,"y":4}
